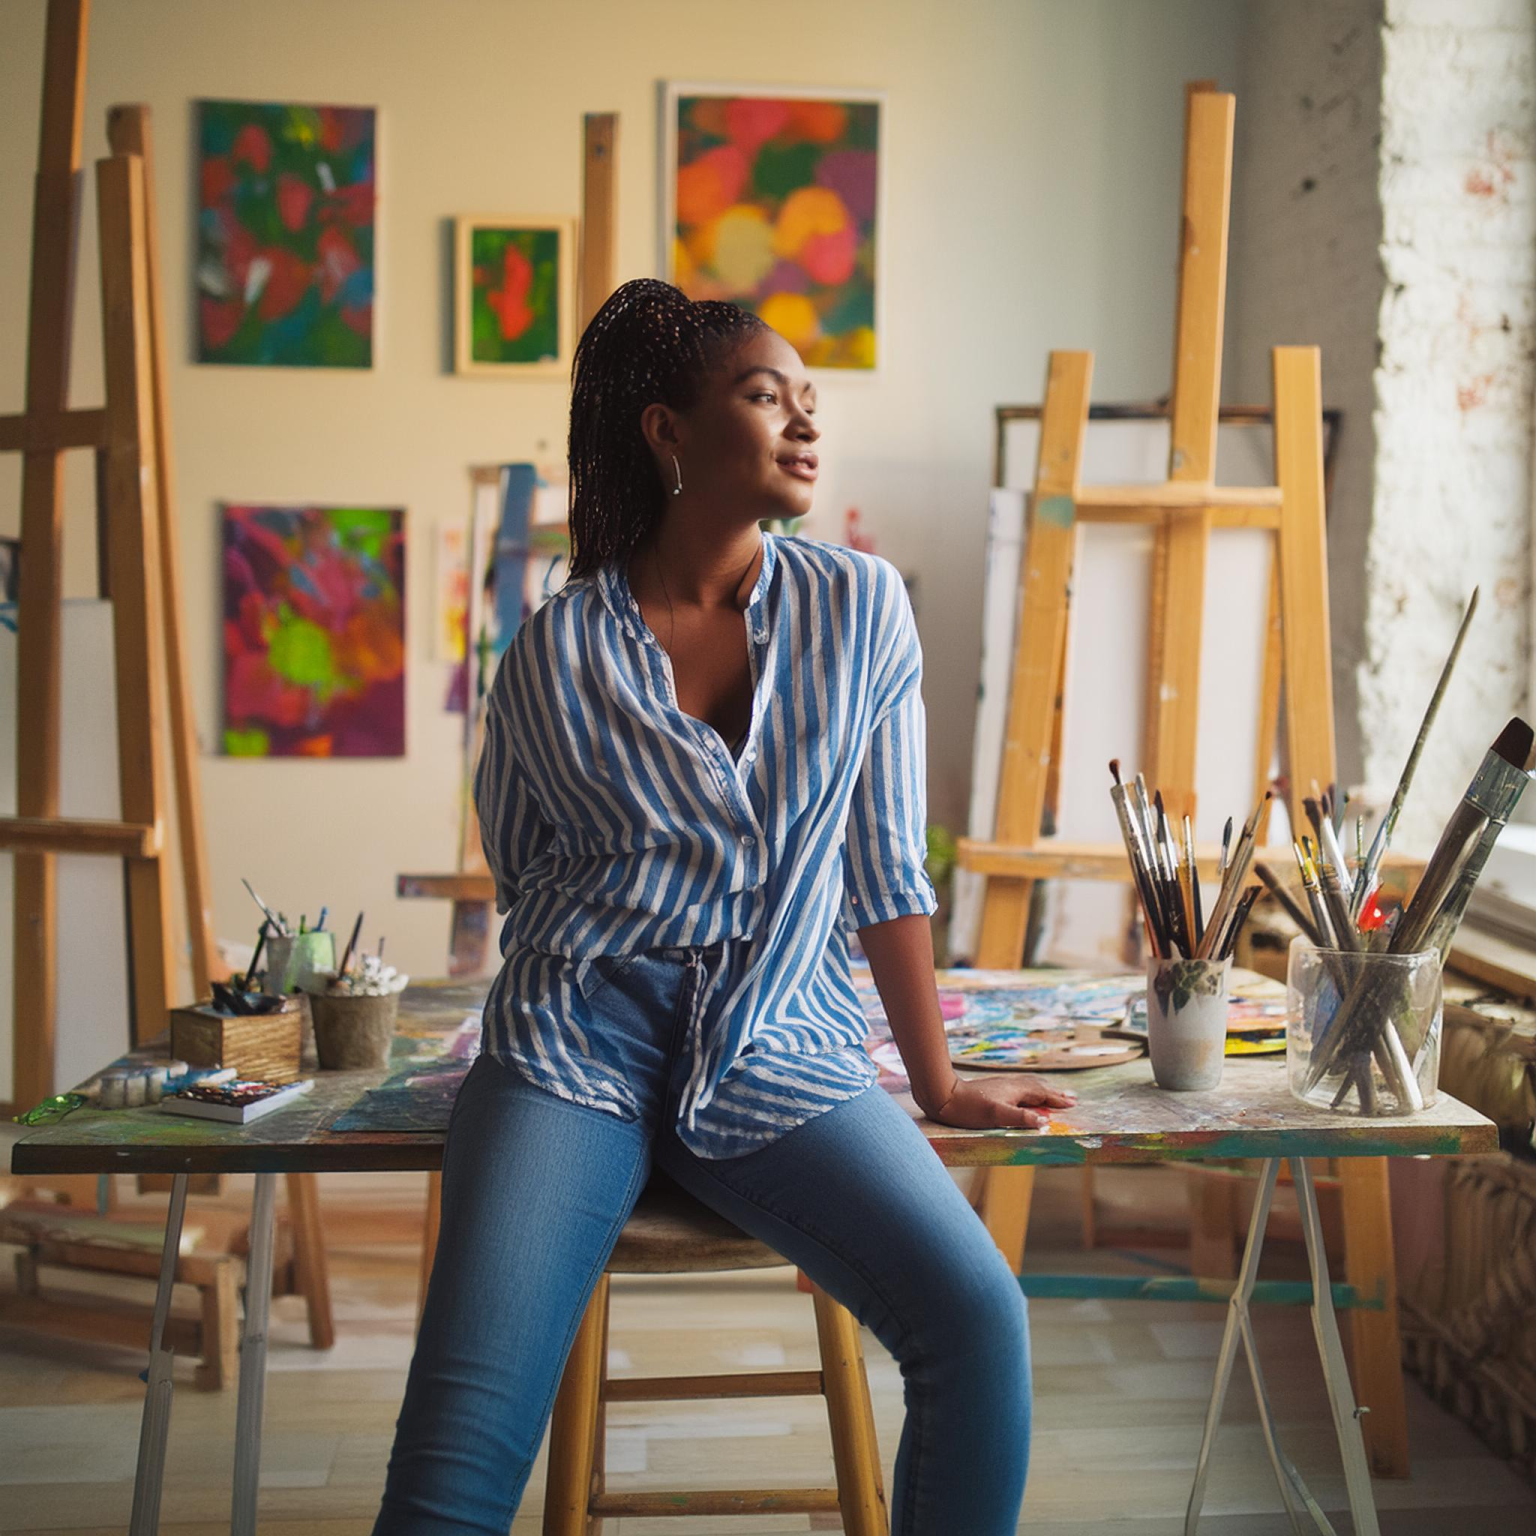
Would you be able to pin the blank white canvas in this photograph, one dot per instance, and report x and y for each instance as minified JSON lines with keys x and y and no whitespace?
{"x":92,"y":948}
{"x":1106,"y":669}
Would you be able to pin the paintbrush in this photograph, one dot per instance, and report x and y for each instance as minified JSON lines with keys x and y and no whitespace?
{"x":250,"y":970}
{"x":346,"y":958}
{"x":277,"y":923}
{"x":1236,"y":875}
{"x":1226,"y":849}
{"x":1385,"y":1043}
{"x":1235,"y":925}
{"x":1365,"y":878}
{"x":1141,"y":874}
{"x":1196,"y":920}
{"x":1309,"y":883}
{"x":1172,"y":886}
{"x":1276,"y":888}
{"x":1434,"y":914}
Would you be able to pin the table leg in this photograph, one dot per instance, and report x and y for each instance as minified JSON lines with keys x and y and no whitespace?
{"x":156,"y":1423}
{"x":253,"y":1358}
{"x":1346,"y":1417}
{"x":1239,"y":1331}
{"x":1231,"y":1337}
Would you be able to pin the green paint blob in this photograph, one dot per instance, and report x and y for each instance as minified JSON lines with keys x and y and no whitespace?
{"x":1059,"y":511}
{"x":301,"y":653}
{"x":252,"y":743}
{"x":778,"y":171}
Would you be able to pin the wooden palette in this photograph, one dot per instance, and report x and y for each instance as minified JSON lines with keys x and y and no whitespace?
{"x":1070,"y":1048}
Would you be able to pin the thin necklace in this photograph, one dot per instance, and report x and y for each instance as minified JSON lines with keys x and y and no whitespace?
{"x":671,"y":616}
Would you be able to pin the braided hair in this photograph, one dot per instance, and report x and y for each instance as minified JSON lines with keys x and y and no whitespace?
{"x":648,"y":344}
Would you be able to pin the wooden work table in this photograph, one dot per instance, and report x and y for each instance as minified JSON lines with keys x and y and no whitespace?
{"x":1120,"y":1116}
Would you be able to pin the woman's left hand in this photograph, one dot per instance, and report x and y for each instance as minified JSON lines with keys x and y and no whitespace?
{"x":996,"y":1103}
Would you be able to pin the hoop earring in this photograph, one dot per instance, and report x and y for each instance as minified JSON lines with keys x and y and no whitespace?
{"x":677,"y":490}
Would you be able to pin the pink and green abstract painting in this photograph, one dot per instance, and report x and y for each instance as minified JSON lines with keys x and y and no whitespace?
{"x":775,"y":204}
{"x":314,"y":631}
{"x":285,"y":247}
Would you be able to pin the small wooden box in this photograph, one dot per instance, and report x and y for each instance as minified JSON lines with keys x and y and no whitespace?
{"x":264,"y":1045}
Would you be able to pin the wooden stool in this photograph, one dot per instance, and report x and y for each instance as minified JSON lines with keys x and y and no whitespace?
{"x":671,"y":1233}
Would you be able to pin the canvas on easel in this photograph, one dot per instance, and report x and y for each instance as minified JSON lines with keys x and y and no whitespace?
{"x":1182,"y":514}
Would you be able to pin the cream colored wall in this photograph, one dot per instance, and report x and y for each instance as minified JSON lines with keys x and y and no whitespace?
{"x":1032,"y":160}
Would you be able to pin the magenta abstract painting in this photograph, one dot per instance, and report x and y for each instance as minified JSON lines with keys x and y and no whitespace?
{"x":314,"y":631}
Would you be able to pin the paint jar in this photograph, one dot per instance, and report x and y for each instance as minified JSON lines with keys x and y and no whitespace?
{"x":112,"y":1092}
{"x":296,"y":961}
{"x":352,"y":1031}
{"x":154,"y":1084}
{"x":1187,"y":1021}
{"x":133,"y":1088}
{"x":1363,"y":1029}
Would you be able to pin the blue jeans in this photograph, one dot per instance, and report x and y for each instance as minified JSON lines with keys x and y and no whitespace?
{"x":536,"y":1190}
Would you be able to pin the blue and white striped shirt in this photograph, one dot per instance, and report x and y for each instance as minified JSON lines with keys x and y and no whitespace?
{"x":614,"y":822}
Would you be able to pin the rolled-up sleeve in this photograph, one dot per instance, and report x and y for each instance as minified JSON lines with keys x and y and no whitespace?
{"x":887,"y":840}
{"x":513,"y":831}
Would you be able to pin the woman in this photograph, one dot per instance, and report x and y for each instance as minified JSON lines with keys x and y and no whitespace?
{"x":704,"y":763}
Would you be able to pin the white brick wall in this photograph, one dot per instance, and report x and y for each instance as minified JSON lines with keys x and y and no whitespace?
{"x":1454,"y":382}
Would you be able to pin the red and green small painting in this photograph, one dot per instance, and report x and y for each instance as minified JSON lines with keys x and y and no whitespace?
{"x":515,"y":295}
{"x":314,"y":631}
{"x":285,"y":247}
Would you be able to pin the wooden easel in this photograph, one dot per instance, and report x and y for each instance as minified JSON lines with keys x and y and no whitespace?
{"x":140,"y":574}
{"x":470,"y":889}
{"x":1182,"y":512}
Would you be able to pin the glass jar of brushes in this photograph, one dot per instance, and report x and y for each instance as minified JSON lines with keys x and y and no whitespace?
{"x":1363,"y":1029}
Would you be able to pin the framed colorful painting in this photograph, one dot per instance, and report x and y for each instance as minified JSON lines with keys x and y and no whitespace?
{"x":314,"y":631}
{"x":771,"y":198}
{"x":514,"y":295}
{"x":285,"y":234}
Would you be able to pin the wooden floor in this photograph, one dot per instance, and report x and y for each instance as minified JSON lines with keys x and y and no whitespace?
{"x":1120,"y":1396}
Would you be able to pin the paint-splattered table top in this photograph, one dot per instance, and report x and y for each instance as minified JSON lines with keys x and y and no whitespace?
{"x":1120,"y":1116}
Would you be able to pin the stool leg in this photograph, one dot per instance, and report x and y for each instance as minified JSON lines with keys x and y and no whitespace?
{"x":309,"y":1257}
{"x":855,"y":1452}
{"x":599,"y":1479}
{"x":573,"y":1427}
{"x":221,"y":1329}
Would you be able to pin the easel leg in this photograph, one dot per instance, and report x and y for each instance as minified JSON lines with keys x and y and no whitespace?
{"x":156,"y":1423}
{"x":1003,"y":1204}
{"x":1346,"y":1417}
{"x":253,"y":1359}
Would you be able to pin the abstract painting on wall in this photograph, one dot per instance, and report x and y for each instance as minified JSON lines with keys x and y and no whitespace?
{"x":514,"y":295}
{"x":285,"y":241}
{"x":771,"y":199}
{"x":314,"y":631}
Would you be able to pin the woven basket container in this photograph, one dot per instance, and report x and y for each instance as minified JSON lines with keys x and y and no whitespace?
{"x":1467,"y":1319}
{"x":265,"y":1045}
{"x":353,"y":1032}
